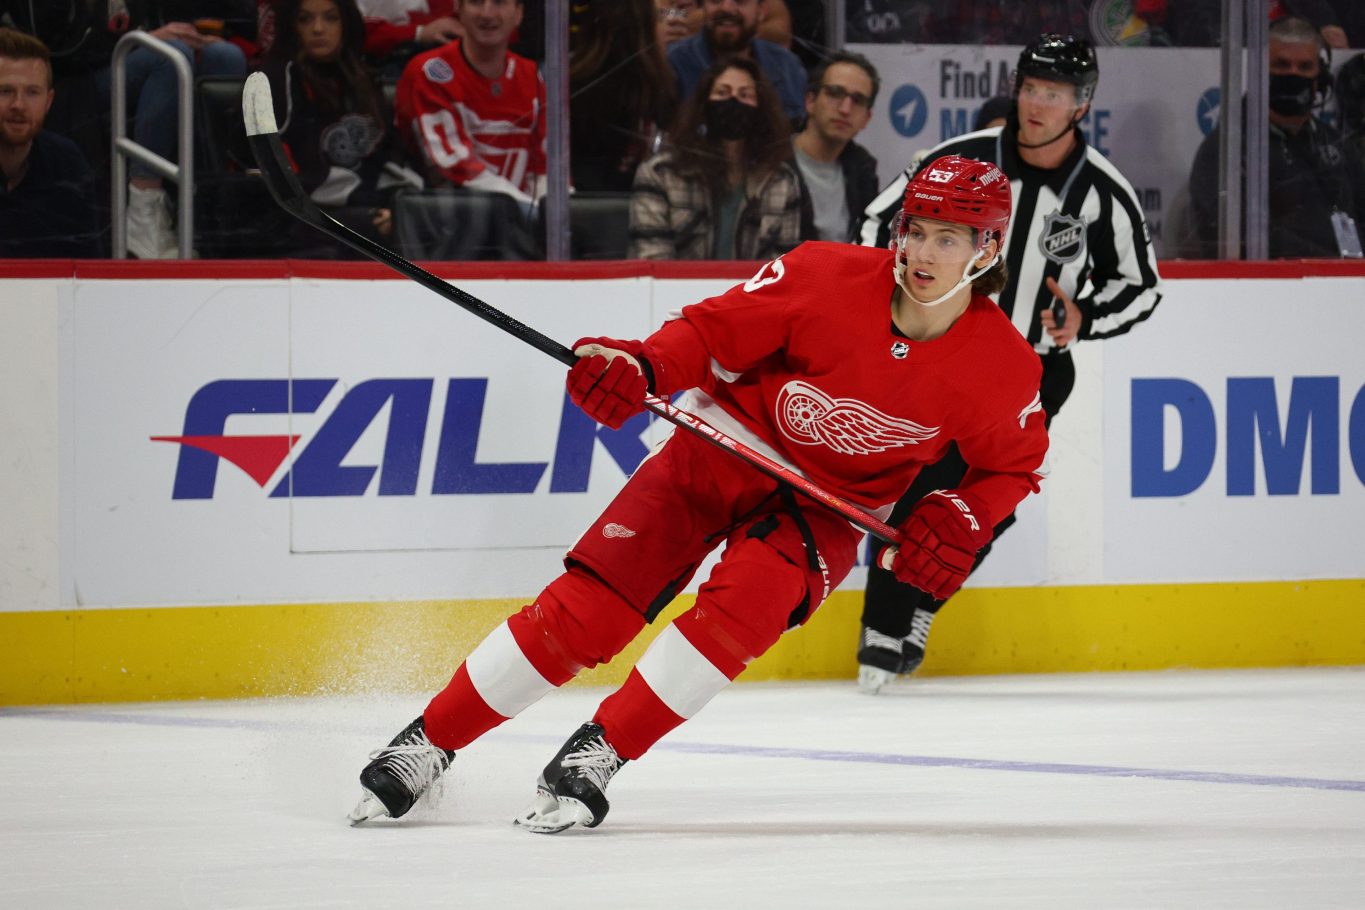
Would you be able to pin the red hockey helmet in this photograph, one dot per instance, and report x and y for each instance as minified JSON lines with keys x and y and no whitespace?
{"x":960,"y":191}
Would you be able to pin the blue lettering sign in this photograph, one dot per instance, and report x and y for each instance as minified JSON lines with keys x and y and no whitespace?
{"x":1254,"y":417}
{"x":1198,"y":436}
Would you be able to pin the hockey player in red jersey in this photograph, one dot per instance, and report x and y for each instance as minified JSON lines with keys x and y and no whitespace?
{"x":852,"y":366}
{"x":474,"y":109}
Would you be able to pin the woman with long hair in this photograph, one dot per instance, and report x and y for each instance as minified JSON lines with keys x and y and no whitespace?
{"x":621,"y":92}
{"x":725,"y":188}
{"x":331,"y":111}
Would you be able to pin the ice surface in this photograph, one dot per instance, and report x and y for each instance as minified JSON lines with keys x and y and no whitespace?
{"x":1204,"y":790}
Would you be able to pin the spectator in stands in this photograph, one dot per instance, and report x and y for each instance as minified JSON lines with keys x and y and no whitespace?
{"x":47,"y":191}
{"x":620,"y":89}
{"x":838,"y":176}
{"x":729,"y":28}
{"x":475,"y":113}
{"x":725,"y":188}
{"x":331,"y":114}
{"x":774,"y":19}
{"x":475,"y":110}
{"x":396,"y":30}
{"x":198,"y":30}
{"x":79,"y":45}
{"x":672,"y":24}
{"x":1316,"y":191}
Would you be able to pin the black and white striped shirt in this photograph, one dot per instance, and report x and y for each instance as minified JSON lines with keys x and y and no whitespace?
{"x":1080,"y":224}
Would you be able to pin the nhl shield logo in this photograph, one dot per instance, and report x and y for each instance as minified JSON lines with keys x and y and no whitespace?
{"x":1063,"y":238}
{"x":899,"y":349}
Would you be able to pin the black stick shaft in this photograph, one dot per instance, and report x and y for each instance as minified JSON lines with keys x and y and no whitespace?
{"x":284,"y":185}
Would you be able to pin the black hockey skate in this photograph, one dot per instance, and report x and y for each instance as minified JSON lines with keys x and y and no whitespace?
{"x":572,"y":788}
{"x":399,"y":774}
{"x":881,"y":658}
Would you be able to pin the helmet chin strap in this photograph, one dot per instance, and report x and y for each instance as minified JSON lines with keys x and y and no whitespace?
{"x":1066,"y":132}
{"x":968,"y":276}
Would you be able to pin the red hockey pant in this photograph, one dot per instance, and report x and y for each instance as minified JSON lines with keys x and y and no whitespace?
{"x":641,"y":551}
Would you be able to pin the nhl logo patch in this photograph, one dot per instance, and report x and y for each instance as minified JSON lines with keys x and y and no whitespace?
{"x":1062,"y":239}
{"x":438,"y":71}
{"x":899,"y":349}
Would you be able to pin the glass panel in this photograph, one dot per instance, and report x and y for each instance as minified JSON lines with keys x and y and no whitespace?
{"x":1155,"y":102}
{"x":387,"y":162}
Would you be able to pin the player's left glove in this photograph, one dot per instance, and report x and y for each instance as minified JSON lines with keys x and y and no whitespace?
{"x":609,"y":381}
{"x":940,"y":542}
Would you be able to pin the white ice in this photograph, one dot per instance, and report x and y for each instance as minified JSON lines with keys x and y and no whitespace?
{"x":1240,"y":789}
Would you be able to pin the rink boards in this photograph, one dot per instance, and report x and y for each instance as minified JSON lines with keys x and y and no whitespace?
{"x":258,"y":478}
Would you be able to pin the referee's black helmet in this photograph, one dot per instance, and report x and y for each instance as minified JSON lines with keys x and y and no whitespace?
{"x":1060,"y":58}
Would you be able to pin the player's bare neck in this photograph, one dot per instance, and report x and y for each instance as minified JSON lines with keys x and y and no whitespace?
{"x":921,"y":323}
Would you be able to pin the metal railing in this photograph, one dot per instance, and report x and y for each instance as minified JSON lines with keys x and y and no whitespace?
{"x":123,"y":148}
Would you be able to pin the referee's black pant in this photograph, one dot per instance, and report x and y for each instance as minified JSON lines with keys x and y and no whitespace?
{"x":889,"y":605}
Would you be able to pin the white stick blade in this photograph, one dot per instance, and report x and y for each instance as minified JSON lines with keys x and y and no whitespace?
{"x":258,"y":107}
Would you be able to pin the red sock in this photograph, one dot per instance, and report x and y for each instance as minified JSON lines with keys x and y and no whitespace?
{"x":458,"y":715}
{"x":634,"y":717}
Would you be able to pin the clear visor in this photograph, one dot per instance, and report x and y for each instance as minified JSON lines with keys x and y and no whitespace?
{"x":923,"y":240}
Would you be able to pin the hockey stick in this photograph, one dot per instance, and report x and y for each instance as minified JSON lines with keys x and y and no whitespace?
{"x":258,"y":112}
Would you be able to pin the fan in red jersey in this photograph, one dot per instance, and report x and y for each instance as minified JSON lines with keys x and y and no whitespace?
{"x":474,"y":109}
{"x":850,"y":365}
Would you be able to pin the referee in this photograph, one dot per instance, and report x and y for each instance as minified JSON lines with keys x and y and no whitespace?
{"x":1080,"y":265}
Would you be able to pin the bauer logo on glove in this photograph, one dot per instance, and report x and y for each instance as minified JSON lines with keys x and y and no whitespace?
{"x":941,"y":538}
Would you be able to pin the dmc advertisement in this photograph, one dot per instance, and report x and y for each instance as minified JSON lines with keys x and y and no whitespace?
{"x":1235,"y":450}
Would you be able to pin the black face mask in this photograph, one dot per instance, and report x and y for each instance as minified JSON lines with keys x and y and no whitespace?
{"x":729,"y":119}
{"x":1290,"y":95}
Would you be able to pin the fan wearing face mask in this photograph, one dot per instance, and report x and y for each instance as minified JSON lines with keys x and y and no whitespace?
{"x":724,"y":187}
{"x":1317,"y":199}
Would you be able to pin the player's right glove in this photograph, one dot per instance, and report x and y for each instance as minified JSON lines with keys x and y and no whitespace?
{"x":940,"y":540}
{"x":608,"y":382}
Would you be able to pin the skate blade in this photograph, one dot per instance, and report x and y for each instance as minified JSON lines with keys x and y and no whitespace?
{"x":368,"y":808}
{"x":871,"y":679}
{"x":549,"y":814}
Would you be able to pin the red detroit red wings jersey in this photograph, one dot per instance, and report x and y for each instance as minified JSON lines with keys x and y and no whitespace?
{"x":465,"y":123}
{"x":803,"y":358}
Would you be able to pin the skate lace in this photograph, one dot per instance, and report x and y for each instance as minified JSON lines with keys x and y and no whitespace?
{"x":919,"y":627}
{"x":874,"y":639}
{"x":596,"y":760}
{"x":416,"y":764}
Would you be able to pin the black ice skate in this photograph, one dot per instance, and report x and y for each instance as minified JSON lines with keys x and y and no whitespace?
{"x":572,"y":788}
{"x":881,"y":658}
{"x":399,"y":774}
